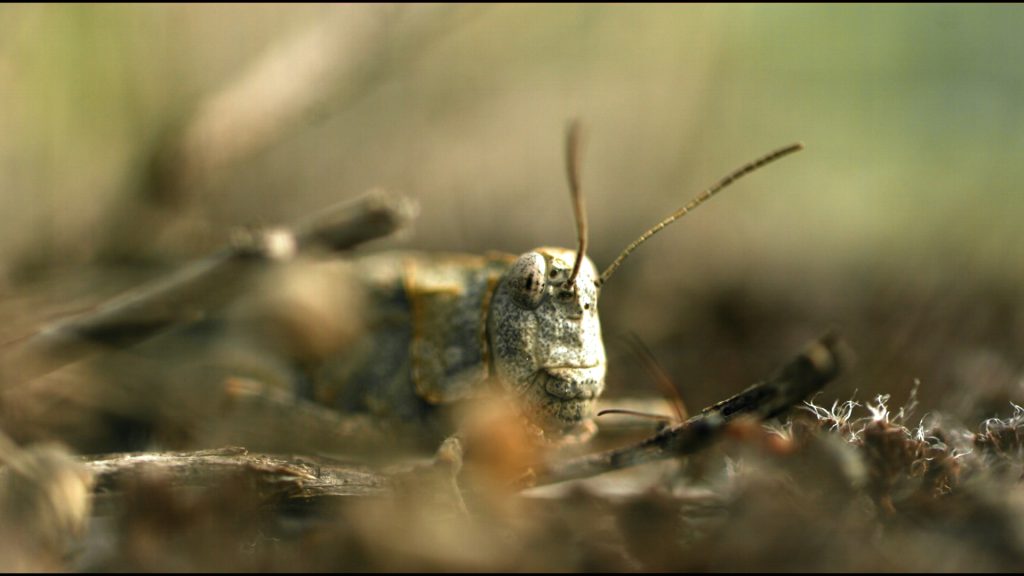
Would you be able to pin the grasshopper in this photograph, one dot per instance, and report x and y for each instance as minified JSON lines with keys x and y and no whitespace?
{"x":445,"y":328}
{"x":437,"y":329}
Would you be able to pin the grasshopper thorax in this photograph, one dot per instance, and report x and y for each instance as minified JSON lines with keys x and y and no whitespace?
{"x":545,"y":337}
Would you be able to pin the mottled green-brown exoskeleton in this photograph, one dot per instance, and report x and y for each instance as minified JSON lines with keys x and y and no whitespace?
{"x":444,"y":328}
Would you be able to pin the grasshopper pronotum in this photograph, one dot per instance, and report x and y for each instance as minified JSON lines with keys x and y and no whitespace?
{"x":445,"y":328}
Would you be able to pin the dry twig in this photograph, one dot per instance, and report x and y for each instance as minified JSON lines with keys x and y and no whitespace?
{"x":803,"y":376}
{"x":277,"y":477}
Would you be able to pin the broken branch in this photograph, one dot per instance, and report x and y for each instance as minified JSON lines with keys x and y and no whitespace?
{"x":803,"y":376}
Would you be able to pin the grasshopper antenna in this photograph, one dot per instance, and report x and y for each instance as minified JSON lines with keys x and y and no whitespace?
{"x":572,"y":169}
{"x":697,"y":201}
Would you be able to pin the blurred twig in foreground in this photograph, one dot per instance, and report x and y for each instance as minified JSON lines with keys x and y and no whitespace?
{"x":192,"y":292}
{"x":45,"y":504}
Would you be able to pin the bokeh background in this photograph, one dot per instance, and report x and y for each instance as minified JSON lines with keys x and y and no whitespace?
{"x":135,"y":137}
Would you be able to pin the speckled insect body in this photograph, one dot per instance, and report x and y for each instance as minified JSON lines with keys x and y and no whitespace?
{"x":444,"y":328}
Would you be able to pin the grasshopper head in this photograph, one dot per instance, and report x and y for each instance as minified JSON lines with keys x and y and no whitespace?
{"x":543,"y":329}
{"x":545,"y":337}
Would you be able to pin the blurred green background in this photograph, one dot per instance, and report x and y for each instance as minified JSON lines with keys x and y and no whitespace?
{"x":141,"y":134}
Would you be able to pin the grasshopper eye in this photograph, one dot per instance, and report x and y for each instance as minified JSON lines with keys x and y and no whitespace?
{"x":526,"y":280}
